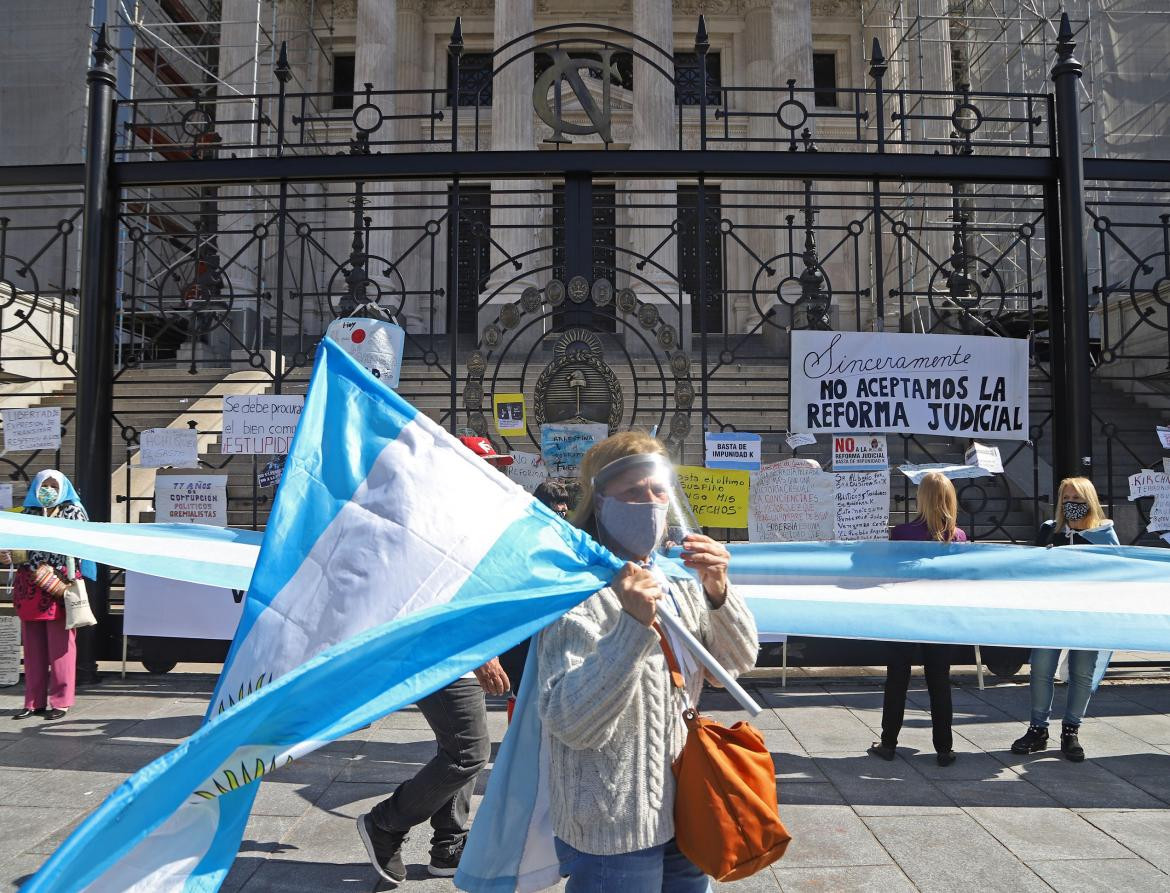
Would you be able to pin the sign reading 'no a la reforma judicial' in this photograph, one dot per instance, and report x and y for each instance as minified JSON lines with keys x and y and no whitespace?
{"x":909,"y":384}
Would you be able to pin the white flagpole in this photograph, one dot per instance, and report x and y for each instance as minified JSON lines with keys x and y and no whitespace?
{"x":716,"y":669}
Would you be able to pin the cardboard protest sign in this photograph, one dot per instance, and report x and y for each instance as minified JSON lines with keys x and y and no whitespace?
{"x":861,"y":452}
{"x":9,"y":650}
{"x":799,"y":440}
{"x":718,"y":497}
{"x":563,"y":445}
{"x":1164,"y":435}
{"x":791,"y":501}
{"x":527,"y":470}
{"x":374,"y":343}
{"x":191,"y":499}
{"x":1148,"y":483}
{"x":31,"y":429}
{"x":910,"y":384}
{"x":953,"y":472}
{"x":176,"y":447}
{"x":5,"y":496}
{"x":983,"y":456}
{"x":863,"y":505}
{"x":260,"y":424}
{"x":508,"y":410}
{"x":737,"y":451}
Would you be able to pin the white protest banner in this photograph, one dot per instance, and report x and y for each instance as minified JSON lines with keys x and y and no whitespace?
{"x":191,"y":499}
{"x":735,"y":451}
{"x":1164,"y":435}
{"x":863,"y":505}
{"x":562,"y":445}
{"x":799,"y":440}
{"x":374,"y":343}
{"x":1148,"y":483}
{"x":5,"y":496}
{"x":981,"y":455}
{"x":861,"y":452}
{"x":9,"y":649}
{"x":911,"y":384}
{"x":954,"y":472}
{"x":32,"y":429}
{"x":1159,"y":515}
{"x":1166,"y":465}
{"x":159,"y":607}
{"x":176,"y":447}
{"x":791,"y":501}
{"x":260,"y":424}
{"x":527,"y":470}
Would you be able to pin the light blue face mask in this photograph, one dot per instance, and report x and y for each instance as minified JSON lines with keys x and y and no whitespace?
{"x":631,"y":529}
{"x":47,"y":496}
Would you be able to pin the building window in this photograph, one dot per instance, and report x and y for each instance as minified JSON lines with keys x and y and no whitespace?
{"x":688,"y":256}
{"x":343,"y":80}
{"x":475,"y":79}
{"x":686,"y":79}
{"x":475,"y":253}
{"x":825,"y":80}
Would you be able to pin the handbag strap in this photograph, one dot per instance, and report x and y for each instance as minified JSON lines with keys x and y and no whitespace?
{"x":676,"y":676}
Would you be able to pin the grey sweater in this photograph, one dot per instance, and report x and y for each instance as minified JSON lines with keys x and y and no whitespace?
{"x":612,"y":723}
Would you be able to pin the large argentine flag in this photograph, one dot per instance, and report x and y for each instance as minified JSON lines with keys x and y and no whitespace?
{"x":394,"y":562}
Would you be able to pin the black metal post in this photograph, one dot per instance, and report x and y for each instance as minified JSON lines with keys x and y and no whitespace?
{"x":877,"y":70}
{"x":1072,"y":451}
{"x":95,"y":343}
{"x":455,"y":50}
{"x":283,"y":75}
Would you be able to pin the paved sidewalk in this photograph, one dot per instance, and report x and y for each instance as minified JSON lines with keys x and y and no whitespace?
{"x":990,"y":822}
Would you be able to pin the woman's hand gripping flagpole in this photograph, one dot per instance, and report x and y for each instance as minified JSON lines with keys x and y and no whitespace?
{"x":703,"y":656}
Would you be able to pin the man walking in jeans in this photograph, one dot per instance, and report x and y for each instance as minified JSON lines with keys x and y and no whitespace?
{"x":441,"y":791}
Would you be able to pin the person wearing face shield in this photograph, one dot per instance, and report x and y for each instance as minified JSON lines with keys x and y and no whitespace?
{"x":611,"y":720}
{"x":38,"y":587}
{"x":1079,"y":521}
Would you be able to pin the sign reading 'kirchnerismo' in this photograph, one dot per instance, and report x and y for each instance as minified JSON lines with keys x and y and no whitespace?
{"x":910,"y":384}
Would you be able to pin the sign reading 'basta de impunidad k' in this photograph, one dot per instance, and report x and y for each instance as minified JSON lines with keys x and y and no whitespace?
{"x":911,"y":384}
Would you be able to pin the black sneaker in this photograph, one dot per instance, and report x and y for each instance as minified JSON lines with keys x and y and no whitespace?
{"x":446,"y":863}
{"x":384,"y":848}
{"x":885,"y":751}
{"x":944,"y":757}
{"x":1070,"y":744}
{"x":1033,"y":741}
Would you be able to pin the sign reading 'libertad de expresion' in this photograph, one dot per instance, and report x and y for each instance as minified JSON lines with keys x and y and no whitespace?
{"x":910,"y":384}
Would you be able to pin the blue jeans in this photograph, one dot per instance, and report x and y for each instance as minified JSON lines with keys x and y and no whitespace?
{"x":1081,"y":665}
{"x":659,"y":868}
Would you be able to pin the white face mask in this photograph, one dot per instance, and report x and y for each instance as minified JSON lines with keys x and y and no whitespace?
{"x":630,"y":529}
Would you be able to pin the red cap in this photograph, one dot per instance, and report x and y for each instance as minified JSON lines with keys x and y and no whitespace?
{"x":482,"y":447}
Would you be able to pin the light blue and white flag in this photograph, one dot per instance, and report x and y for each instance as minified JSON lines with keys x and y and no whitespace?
{"x":394,"y":562}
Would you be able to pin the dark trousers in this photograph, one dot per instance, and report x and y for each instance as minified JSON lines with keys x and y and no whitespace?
{"x":441,"y":790}
{"x":935,"y":661}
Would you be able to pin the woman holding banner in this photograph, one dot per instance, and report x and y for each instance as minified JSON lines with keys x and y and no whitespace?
{"x":607,"y":705}
{"x":50,"y":652}
{"x":938,"y":511}
{"x":1079,"y":521}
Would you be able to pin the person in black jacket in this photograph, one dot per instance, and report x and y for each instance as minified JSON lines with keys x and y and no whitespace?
{"x":1079,"y":521}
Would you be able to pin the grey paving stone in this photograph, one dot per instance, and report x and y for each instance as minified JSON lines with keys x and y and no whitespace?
{"x":277,"y":798}
{"x":857,"y":879}
{"x":1157,"y":786}
{"x":1153,"y":728}
{"x":1101,"y":876}
{"x":1144,"y":832}
{"x":829,"y":836}
{"x":19,"y":869}
{"x":1085,"y":785}
{"x":39,"y":751}
{"x":949,"y":854}
{"x":117,"y":757}
{"x":808,"y":794}
{"x":274,"y":875}
{"x":969,"y":765}
{"x":49,"y":845}
{"x":23,"y":827}
{"x":1033,"y":833}
{"x":1003,"y":793}
{"x":869,"y":781}
{"x":828,"y":729}
{"x":760,"y":882}
{"x":70,"y":788}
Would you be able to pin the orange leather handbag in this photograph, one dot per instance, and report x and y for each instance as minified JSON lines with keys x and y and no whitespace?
{"x":726,"y":816}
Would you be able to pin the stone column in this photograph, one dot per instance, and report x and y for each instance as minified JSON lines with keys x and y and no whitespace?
{"x":513,"y":217}
{"x":409,"y":65}
{"x":374,"y":63}
{"x":654,"y":203}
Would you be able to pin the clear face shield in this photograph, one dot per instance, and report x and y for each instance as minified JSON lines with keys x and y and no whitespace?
{"x":640,"y":507}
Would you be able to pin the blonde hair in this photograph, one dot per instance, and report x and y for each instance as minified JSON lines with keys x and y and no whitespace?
{"x":1084,"y":488}
{"x":617,"y":446}
{"x":938,"y":506}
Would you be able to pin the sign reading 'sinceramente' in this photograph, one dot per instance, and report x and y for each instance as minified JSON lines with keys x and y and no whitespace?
{"x":910,"y":384}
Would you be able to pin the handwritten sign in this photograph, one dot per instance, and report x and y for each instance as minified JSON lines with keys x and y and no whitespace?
{"x":176,"y":447}
{"x":270,"y":474}
{"x":860,"y":452}
{"x":718,"y":497}
{"x":191,"y":499}
{"x":9,"y":650}
{"x":1164,"y":435}
{"x":563,"y":445}
{"x":921,"y":384}
{"x":981,"y":455}
{"x":799,"y":440}
{"x":791,"y":501}
{"x":863,"y":505}
{"x":32,"y":429}
{"x":509,"y":413}
{"x":5,"y":496}
{"x":1159,"y":515}
{"x":527,"y":470}
{"x":374,"y":343}
{"x":259,"y":424}
{"x":1148,"y":483}
{"x":736,"y":451}
{"x":953,"y":472}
